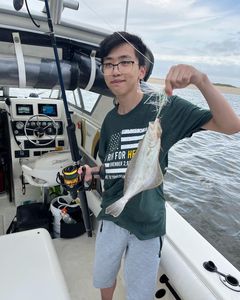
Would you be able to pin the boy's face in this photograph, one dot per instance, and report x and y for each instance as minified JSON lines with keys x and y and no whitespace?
{"x":121,"y":79}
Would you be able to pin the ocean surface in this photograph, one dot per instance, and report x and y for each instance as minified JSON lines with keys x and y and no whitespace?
{"x":203,"y":182}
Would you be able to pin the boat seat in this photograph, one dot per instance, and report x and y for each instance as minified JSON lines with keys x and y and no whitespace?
{"x":30,"y":268}
{"x":42,"y":171}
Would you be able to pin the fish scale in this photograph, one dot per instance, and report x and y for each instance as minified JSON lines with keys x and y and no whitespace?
{"x":143,"y":172}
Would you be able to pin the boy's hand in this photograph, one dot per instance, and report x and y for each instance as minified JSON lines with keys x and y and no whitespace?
{"x":87,"y":171}
{"x":180,"y":76}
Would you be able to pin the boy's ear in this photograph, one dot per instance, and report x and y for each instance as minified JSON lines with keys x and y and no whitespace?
{"x":142,"y":73}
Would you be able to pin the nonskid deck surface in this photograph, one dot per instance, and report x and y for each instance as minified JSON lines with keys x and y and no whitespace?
{"x":76,"y":259}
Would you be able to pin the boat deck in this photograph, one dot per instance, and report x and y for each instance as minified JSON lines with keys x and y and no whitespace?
{"x":181,"y":260}
{"x":76,"y":259}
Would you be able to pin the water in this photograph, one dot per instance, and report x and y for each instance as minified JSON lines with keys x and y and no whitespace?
{"x":203,"y":181}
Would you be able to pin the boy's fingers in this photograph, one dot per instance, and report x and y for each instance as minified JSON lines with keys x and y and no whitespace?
{"x":168,"y":88}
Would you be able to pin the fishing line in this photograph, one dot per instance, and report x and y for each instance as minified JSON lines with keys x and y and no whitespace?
{"x":160,"y":95}
{"x":156,"y":98}
{"x":113,"y":29}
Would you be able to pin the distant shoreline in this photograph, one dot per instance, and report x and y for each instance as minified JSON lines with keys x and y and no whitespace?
{"x":223,"y":88}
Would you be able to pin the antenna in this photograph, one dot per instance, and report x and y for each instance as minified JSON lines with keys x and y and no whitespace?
{"x":126,"y":15}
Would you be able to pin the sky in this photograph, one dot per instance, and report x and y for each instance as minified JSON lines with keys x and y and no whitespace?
{"x":203,"y":33}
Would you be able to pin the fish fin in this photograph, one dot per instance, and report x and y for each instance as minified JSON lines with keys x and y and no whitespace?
{"x":117,"y":207}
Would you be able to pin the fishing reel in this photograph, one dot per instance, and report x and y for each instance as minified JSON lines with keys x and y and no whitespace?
{"x":72,"y":182}
{"x":70,"y":176}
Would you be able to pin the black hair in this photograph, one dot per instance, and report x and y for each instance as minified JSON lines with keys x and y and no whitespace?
{"x":120,"y":37}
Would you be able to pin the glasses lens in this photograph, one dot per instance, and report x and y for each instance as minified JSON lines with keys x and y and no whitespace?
{"x":107,"y":68}
{"x":102,"y":68}
{"x":125,"y":66}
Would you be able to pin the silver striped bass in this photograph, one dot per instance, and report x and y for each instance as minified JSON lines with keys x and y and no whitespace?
{"x":143,"y":171}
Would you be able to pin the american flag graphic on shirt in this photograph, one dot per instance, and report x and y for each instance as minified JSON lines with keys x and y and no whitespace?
{"x":121,"y":149}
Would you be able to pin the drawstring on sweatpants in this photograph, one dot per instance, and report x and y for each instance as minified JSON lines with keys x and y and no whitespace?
{"x":101,"y":226}
{"x":160,"y":250}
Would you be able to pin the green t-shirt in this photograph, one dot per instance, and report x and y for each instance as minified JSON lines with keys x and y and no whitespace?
{"x":144,"y":215}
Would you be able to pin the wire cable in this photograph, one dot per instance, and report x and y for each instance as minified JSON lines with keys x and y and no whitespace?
{"x":30,"y":15}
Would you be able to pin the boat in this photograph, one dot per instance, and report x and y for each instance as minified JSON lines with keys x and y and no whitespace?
{"x":32,"y":158}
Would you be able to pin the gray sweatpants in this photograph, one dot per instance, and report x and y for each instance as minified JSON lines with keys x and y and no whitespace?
{"x":141,"y":261}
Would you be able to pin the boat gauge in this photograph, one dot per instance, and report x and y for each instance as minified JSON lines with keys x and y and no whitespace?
{"x":19,"y":125}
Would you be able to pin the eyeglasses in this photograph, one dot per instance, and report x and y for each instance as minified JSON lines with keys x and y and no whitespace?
{"x":124,"y":67}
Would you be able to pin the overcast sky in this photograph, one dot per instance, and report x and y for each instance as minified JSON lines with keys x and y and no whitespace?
{"x":203,"y":33}
{"x":199,"y":32}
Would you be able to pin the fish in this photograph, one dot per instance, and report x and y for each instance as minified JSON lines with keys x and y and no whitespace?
{"x":143,"y":171}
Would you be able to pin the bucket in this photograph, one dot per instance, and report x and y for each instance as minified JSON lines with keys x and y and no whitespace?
{"x":57,"y":204}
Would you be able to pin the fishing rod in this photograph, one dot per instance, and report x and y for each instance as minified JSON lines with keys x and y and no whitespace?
{"x":75,"y":186}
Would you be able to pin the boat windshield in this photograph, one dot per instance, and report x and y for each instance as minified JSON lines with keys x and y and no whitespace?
{"x":79,"y":98}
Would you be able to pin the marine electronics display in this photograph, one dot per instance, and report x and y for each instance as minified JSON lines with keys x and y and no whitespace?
{"x":48,"y":109}
{"x":24,"y":109}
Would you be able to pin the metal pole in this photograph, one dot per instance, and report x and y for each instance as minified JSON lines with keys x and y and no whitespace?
{"x":126,"y":15}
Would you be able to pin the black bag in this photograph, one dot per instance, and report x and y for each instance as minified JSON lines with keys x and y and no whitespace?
{"x":31,"y":216}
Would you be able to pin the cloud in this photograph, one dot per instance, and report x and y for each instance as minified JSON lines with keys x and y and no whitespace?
{"x":226,"y":47}
{"x":201,"y":32}
{"x":210,"y":60}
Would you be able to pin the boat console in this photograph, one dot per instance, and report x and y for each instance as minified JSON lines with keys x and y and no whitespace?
{"x":37,"y":127}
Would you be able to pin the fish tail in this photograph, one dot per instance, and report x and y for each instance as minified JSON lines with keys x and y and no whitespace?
{"x":117,"y":207}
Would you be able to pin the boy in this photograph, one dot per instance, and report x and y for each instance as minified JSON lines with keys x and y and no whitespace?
{"x":137,"y":232}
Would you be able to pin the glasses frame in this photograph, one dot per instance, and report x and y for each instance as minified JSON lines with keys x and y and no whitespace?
{"x":116,"y":65}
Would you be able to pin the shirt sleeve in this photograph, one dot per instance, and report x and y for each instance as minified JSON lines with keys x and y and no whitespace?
{"x":185,"y":118}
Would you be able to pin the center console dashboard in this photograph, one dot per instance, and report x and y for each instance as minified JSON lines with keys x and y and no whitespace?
{"x":45,"y":128}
